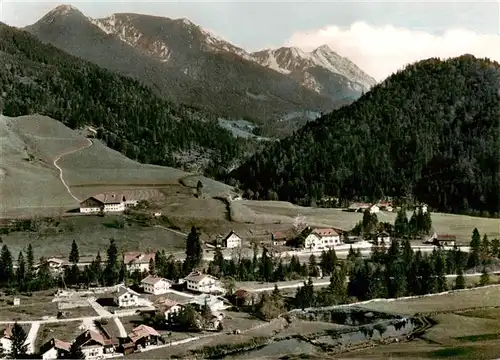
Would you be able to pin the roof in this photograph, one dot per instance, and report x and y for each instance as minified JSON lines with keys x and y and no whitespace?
{"x":278,"y":235}
{"x":142,"y":331}
{"x":325,"y":232}
{"x":241,"y":293}
{"x":383,"y":233}
{"x":123,"y":290}
{"x":87,"y":335}
{"x":55,"y":260}
{"x":197,"y":276}
{"x":55,"y":343}
{"x":228,"y":235}
{"x":358,"y":205}
{"x":446,"y":237}
{"x":127,"y":195}
{"x":130,"y":258}
{"x":152,"y":280}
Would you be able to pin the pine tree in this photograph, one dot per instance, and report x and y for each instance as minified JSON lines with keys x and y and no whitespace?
{"x":152,"y":268}
{"x":21,"y":269}
{"x":313,"y":267}
{"x":485,"y":278}
{"x":30,"y":262}
{"x":460,"y":280}
{"x":19,"y":348}
{"x":485,"y":248}
{"x":413,"y":225}
{"x":194,"y":252}
{"x":6,"y":265}
{"x":265,"y":266}
{"x":475,"y":248}
{"x":74,"y":256}
{"x":112,"y":269}
{"x":219,"y":262}
{"x":440,"y":267}
{"x":401,"y":223}
{"x":426,"y":223}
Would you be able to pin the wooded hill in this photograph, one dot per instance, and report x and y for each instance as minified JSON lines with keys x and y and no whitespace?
{"x":431,"y":131}
{"x":39,"y":78}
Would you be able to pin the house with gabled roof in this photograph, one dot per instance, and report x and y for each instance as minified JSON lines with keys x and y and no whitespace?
{"x":6,"y":338}
{"x":155,"y":285}
{"x":138,"y":261}
{"x":143,"y":336}
{"x":55,"y":349}
{"x":197,"y":281}
{"x":321,"y":238}
{"x":232,"y":240}
{"x":125,"y":297}
{"x":94,"y":345}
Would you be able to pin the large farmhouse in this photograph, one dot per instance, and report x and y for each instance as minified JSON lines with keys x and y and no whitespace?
{"x":321,"y":238}
{"x":117,"y":201}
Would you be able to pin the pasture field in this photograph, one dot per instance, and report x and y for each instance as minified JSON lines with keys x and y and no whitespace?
{"x":92,"y":234}
{"x":283,"y":212}
{"x":478,"y":297}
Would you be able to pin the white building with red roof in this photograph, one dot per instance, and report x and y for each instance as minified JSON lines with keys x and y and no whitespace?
{"x":55,"y":349}
{"x":155,"y":285}
{"x":322,"y":238}
{"x":197,"y":281}
{"x":138,"y":261}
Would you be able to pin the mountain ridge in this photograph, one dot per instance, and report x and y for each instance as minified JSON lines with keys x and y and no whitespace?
{"x":197,"y":68}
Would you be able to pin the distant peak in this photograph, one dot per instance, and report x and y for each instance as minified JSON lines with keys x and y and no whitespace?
{"x":324,"y":48}
{"x":186,"y":21}
{"x":64,"y":9}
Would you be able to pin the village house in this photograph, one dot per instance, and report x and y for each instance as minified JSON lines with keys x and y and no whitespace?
{"x":171,"y":311}
{"x":143,"y":336}
{"x":138,"y":261}
{"x":215,"y":303}
{"x":374,"y":209}
{"x":55,"y":265}
{"x":125,"y":297}
{"x":231,"y":241}
{"x":322,"y":238}
{"x":117,"y":201}
{"x":155,"y":285}
{"x":383,"y":237}
{"x":385,"y":206}
{"x":279,"y":238}
{"x":55,"y":349}
{"x":94,"y":345}
{"x":197,"y":281}
{"x":242,"y":297}
{"x":445,"y":240}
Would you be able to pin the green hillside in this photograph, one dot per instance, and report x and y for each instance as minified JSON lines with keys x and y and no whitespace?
{"x":39,"y":78}
{"x":431,"y":131}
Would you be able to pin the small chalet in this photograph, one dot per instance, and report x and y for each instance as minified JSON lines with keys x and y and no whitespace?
{"x":374,"y":209}
{"x":231,"y":241}
{"x":144,"y":336}
{"x":279,"y":238}
{"x":55,"y":349}
{"x":125,"y":297}
{"x":358,"y":207}
{"x":155,"y":285}
{"x":94,"y":345}
{"x":242,"y":297}
{"x":197,"y":281}
{"x":385,"y":206}
{"x":55,"y":264}
{"x":138,"y":261}
{"x":215,"y":303}
{"x":170,"y":311}
{"x":445,"y":240}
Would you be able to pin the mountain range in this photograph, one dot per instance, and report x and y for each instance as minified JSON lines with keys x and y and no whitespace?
{"x":187,"y":64}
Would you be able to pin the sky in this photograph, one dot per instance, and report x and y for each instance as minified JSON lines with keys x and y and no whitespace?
{"x":380,"y":37}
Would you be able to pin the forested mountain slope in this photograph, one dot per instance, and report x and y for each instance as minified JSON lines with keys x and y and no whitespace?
{"x":39,"y":78}
{"x":431,"y":130}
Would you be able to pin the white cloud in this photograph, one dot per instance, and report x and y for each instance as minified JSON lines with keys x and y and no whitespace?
{"x":382,"y":50}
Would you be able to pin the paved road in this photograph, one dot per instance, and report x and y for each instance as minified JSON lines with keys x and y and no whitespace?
{"x":89,"y":144}
{"x":119,"y":325}
{"x":31,"y":338}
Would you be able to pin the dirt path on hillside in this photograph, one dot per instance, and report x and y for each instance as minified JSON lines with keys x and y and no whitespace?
{"x":61,"y":171}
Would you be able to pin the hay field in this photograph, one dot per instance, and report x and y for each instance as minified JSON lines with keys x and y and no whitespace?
{"x":32,"y":187}
{"x":282,"y":212}
{"x":478,"y":297}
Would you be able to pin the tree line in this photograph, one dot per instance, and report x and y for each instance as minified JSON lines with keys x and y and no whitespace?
{"x":429,"y":132}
